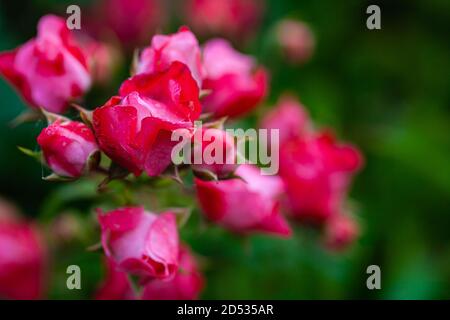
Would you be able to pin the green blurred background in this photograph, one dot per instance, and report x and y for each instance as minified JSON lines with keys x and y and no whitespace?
{"x":385,"y":90}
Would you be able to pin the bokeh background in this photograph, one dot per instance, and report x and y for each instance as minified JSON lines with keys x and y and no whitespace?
{"x":387,"y":91}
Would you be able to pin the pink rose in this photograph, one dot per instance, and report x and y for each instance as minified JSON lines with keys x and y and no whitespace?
{"x":185,"y":285}
{"x":244,"y":205}
{"x":141,"y":242}
{"x":165,"y":49}
{"x":296,"y":40}
{"x":231,"y":18}
{"x":22,"y":261}
{"x":67,"y":146}
{"x":135,"y":129}
{"x":49,"y":70}
{"x":116,"y":286}
{"x":289,"y":117}
{"x":236,"y":85}
{"x":215,"y":152}
{"x":317,"y":172}
{"x":340,"y":232}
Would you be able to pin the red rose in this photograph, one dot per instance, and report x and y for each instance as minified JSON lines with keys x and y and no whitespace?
{"x":246,"y":204}
{"x":49,"y":70}
{"x":215,"y":151}
{"x":236,"y":86}
{"x":67,"y":147}
{"x":185,"y":285}
{"x":135,"y":129}
{"x":141,"y":242}
{"x":165,"y":49}
{"x":22,"y":261}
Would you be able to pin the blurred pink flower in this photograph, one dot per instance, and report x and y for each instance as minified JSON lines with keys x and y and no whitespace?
{"x":185,"y":285}
{"x":104,"y":59}
{"x":289,"y":117}
{"x":340,"y":232}
{"x":296,"y":40}
{"x":116,"y":285}
{"x":235,"y":19}
{"x":317,"y":171}
{"x":23,"y":264}
{"x":141,"y":242}
{"x":132,"y":22}
{"x":50,"y":70}
{"x":249,"y":204}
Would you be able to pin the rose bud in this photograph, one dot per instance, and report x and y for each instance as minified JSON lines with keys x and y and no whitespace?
{"x":232,"y":18}
{"x":245,"y":204}
{"x":296,"y":40}
{"x":340,"y":232}
{"x":236,"y":86}
{"x":141,"y":242}
{"x":135,"y":129}
{"x":130,"y":21}
{"x":116,"y":286}
{"x":67,"y":146}
{"x":317,"y":171}
{"x":214,"y":151}
{"x":22,"y":261}
{"x":185,"y":285}
{"x":165,"y":49}
{"x":104,"y":58}
{"x":50,"y":70}
{"x":289,"y":117}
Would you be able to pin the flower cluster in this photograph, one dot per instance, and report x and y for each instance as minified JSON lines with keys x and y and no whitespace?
{"x":175,"y":82}
{"x":316,"y":171}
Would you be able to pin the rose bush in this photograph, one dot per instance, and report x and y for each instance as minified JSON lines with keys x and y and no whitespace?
{"x":175,"y":82}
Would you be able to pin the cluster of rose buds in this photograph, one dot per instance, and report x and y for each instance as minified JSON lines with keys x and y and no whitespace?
{"x":316,"y":171}
{"x":175,"y":82}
